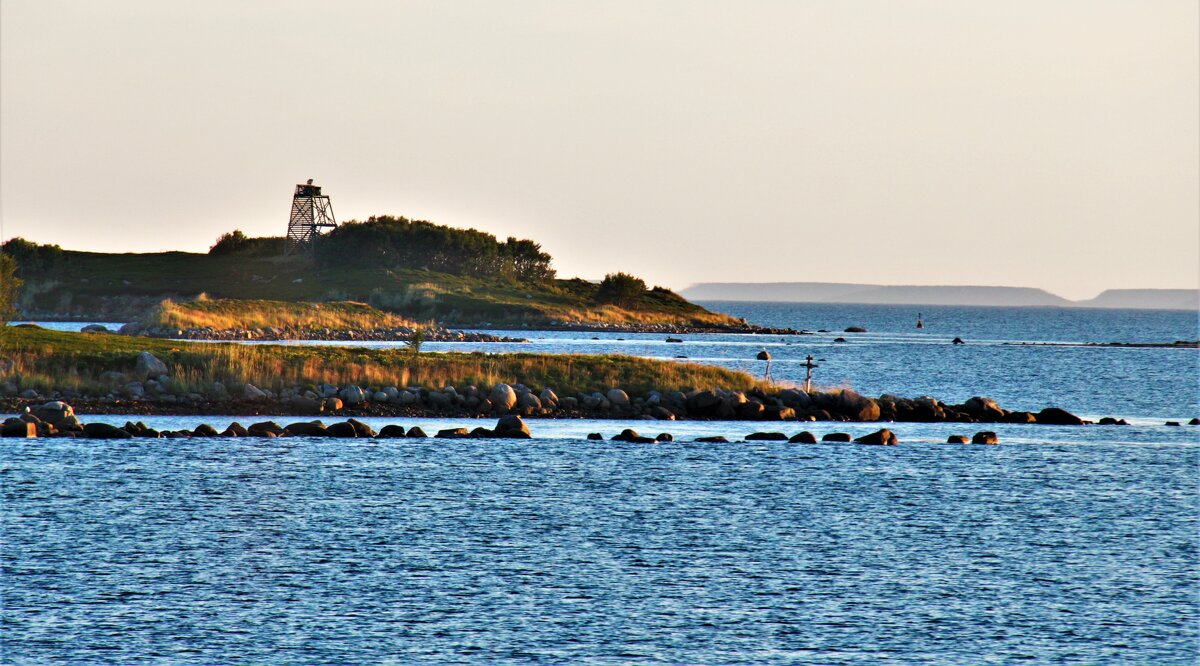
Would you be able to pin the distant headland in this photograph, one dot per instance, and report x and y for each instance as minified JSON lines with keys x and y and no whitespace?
{"x":874,"y":294}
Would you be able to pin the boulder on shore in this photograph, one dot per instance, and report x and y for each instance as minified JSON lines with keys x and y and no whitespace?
{"x":503,"y":398}
{"x":148,"y":365}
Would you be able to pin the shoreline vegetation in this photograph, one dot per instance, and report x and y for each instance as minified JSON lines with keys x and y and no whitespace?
{"x":119,"y":374}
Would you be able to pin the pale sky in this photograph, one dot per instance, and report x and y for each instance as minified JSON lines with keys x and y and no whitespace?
{"x":1046,"y":143}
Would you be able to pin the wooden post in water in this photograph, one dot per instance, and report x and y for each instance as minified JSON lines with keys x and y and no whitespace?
{"x":808,"y":367}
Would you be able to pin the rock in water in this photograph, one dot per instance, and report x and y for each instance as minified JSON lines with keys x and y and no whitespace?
{"x":18,"y":428}
{"x":956,"y":439}
{"x":883,"y":437}
{"x":985,"y":437}
{"x":1056,"y":416}
{"x":836,"y":437}
{"x":803,"y":437}
{"x":766,"y":437}
{"x":512,"y":427}
{"x":53,"y":412}
{"x":104,"y":431}
{"x":342,"y":429}
{"x":361,"y":429}
{"x":983,"y":409}
{"x":391,"y":431}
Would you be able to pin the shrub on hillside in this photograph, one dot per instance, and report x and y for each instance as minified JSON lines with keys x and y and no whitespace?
{"x":236,"y":242}
{"x":397,"y":242}
{"x":31,"y":256}
{"x":621,"y":289}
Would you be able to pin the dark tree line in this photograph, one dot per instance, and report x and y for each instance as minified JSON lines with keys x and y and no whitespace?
{"x":397,"y":242}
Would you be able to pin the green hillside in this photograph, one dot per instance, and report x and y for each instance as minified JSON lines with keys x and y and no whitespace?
{"x":455,"y":277}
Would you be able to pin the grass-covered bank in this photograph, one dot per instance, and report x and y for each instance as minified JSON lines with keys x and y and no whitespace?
{"x":222,"y":314}
{"x":99,"y":364}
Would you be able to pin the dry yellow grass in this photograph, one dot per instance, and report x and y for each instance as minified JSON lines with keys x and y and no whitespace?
{"x":222,"y":314}
{"x":41,"y":359}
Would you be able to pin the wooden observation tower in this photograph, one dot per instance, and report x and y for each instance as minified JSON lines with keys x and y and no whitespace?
{"x":311,"y":212}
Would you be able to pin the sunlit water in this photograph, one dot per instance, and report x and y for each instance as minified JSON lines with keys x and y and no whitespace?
{"x":1070,"y":545}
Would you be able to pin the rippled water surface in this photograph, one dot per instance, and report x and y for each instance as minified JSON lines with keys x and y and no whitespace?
{"x":1061,"y":545}
{"x":565,"y":550}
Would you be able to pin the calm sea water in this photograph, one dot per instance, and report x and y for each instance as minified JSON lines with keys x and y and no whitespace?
{"x":1069,"y":545}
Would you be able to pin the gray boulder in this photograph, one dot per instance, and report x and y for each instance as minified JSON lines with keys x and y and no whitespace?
{"x":252,"y":392}
{"x":148,"y":365}
{"x":548,"y":397}
{"x":352,"y":395}
{"x":528,"y":401}
{"x":618,"y":397}
{"x":53,"y":412}
{"x":503,"y":397}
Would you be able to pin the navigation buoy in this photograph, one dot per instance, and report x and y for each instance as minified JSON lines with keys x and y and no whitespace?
{"x":920,"y":324}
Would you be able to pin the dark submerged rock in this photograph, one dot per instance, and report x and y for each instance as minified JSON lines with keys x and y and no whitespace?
{"x":342,"y":430}
{"x":361,"y":429}
{"x":803,"y":437}
{"x":205,"y":430}
{"x":985,"y":437}
{"x":631,"y":435}
{"x":512,"y":427}
{"x":836,"y":437}
{"x":391,"y":431}
{"x":416,"y":432}
{"x":717,"y":439}
{"x":883,"y":437}
{"x":766,"y":437}
{"x":307,"y":429}
{"x":264,"y":429}
{"x":104,"y":431}
{"x":1056,"y":416}
{"x":453,"y":433}
{"x":595,"y":436}
{"x":957,"y":439}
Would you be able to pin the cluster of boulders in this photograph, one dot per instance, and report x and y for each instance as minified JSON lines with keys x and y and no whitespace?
{"x":57,"y":419}
{"x":390,"y":333}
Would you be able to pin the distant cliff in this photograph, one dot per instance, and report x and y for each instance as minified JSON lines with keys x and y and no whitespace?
{"x":840,"y":292}
{"x":1153,"y":299}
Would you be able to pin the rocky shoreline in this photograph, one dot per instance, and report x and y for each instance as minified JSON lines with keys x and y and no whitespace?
{"x":155,"y":395}
{"x":387,"y":334}
{"x":58,"y":419}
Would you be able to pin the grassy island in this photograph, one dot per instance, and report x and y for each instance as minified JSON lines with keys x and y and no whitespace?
{"x":98,"y":364}
{"x":415,"y":270}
